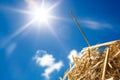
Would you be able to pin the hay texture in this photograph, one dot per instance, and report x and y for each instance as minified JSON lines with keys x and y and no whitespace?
{"x":99,"y":62}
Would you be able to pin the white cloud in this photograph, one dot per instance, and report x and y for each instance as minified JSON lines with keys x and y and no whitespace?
{"x":46,"y":60}
{"x":73,"y":53}
{"x":92,"y":24}
{"x":56,"y":66}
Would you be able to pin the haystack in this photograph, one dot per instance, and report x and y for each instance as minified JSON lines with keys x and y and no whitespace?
{"x":99,"y":62}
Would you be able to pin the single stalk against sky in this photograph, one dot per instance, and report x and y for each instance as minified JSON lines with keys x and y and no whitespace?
{"x":80,"y":29}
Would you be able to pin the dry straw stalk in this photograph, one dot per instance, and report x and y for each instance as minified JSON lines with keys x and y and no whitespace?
{"x":102,"y":64}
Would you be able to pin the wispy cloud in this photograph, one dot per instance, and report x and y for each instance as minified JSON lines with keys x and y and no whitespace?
{"x":10,"y":49}
{"x":92,"y":24}
{"x":46,"y":60}
{"x":73,"y":53}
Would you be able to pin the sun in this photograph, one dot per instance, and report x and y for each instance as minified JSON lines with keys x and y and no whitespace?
{"x":41,"y":14}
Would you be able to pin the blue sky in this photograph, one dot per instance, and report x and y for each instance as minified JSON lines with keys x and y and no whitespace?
{"x":33,"y":51}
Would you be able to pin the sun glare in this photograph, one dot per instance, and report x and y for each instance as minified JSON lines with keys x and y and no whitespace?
{"x":41,"y":14}
{"x":37,"y":12}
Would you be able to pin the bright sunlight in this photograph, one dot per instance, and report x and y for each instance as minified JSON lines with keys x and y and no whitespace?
{"x":41,"y":14}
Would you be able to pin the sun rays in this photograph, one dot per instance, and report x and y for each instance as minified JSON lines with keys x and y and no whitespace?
{"x":41,"y":14}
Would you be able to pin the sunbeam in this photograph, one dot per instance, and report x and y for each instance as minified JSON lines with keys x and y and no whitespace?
{"x":18,"y":32}
{"x":56,"y":36}
{"x":41,"y":14}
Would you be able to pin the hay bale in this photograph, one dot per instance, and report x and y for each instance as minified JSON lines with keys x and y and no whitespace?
{"x":96,"y":64}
